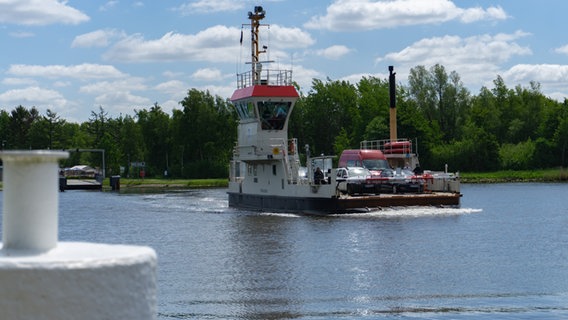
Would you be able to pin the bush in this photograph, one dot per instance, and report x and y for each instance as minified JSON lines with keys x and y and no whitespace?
{"x":478,"y":152}
{"x":518,"y":156}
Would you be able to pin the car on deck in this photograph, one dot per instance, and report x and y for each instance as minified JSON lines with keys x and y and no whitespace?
{"x":352,"y":180}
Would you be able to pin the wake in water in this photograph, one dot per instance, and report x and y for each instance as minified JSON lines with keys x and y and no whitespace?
{"x":395,"y":212}
{"x":414,"y":212}
{"x":214,"y":201}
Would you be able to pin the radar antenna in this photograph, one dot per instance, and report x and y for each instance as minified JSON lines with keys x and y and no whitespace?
{"x":255,"y":18}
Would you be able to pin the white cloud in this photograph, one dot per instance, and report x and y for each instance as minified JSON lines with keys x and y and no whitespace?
{"x":352,"y":15}
{"x":33,"y":96}
{"x":174,"y":87}
{"x":283,"y":37}
{"x":355,"y":78}
{"x":97,"y":38}
{"x":62,"y":84}
{"x":333,"y":52}
{"x":562,"y":50}
{"x":121,"y":102}
{"x":477,"y":59}
{"x":207,"y":74}
{"x":21,"y":34}
{"x":543,"y":73}
{"x":109,"y":5}
{"x":19,"y":82}
{"x":558,"y":96}
{"x":208,"y":6}
{"x":169,"y":105}
{"x":304,"y":76}
{"x":215,"y":44}
{"x":476,"y":14}
{"x":172,"y":74}
{"x":39,"y":13}
{"x":222,"y":91}
{"x":81,"y":71}
{"x":101,"y":87}
{"x":457,"y":51}
{"x":552,"y":77}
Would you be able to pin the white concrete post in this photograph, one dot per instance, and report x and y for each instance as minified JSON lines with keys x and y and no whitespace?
{"x":41,"y":278}
{"x":31,"y":197}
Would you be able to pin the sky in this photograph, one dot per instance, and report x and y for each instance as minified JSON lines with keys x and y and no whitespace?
{"x":73,"y":57}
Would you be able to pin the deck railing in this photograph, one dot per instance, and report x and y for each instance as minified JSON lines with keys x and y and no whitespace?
{"x":267,"y":77}
{"x":388,"y":145}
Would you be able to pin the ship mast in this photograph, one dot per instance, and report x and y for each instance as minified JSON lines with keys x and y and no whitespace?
{"x":255,"y":18}
{"x":392,"y":95}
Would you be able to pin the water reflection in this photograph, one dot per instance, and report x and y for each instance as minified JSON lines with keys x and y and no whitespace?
{"x":503,"y":254}
{"x":263,"y":266}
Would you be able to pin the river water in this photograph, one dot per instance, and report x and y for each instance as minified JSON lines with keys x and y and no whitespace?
{"x":503,"y":254}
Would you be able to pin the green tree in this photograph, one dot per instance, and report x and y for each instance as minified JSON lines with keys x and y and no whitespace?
{"x":561,"y":134}
{"x":377,"y":129}
{"x":373,"y":106}
{"x":155,"y":128}
{"x":518,"y":156}
{"x":45,"y":132}
{"x":21,"y":121}
{"x":329,"y":108}
{"x":478,"y":152}
{"x":131,"y":144}
{"x":74,"y":136}
{"x":204,"y":134}
{"x":442,"y":98}
{"x":5,"y":133}
{"x":485,"y":113}
{"x":102,"y":134}
{"x":422,"y":91}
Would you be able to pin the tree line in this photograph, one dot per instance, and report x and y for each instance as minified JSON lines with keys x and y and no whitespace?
{"x":195,"y":141}
{"x":500,"y":128}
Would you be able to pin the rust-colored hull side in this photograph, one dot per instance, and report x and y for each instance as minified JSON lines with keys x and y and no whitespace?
{"x":400,"y":200}
{"x":323,"y":206}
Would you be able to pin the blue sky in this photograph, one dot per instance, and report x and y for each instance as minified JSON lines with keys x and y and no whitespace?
{"x":74,"y":56}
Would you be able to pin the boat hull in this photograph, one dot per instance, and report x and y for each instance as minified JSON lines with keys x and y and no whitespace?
{"x":344,"y":204}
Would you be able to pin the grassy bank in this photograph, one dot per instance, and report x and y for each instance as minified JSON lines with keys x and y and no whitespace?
{"x":545,"y":175}
{"x":172,"y":183}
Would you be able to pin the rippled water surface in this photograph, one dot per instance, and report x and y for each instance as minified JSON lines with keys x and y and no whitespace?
{"x":503,"y":254}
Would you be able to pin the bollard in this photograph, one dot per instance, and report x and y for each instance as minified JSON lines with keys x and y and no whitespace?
{"x":42,"y":278}
{"x":114,"y":183}
{"x":30,"y":199}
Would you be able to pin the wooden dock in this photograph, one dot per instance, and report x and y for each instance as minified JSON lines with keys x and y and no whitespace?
{"x":79,"y":184}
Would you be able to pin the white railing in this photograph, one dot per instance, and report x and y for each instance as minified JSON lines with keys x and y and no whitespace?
{"x":266,"y":77}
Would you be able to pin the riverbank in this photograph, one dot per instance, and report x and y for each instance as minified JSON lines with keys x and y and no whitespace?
{"x":126,"y":183}
{"x":547,"y":175}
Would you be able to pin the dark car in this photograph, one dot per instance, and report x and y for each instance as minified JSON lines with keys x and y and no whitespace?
{"x":397,"y":181}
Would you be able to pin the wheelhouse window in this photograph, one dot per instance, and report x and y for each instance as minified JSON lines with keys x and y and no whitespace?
{"x":273,"y":114}
{"x":245,"y":110}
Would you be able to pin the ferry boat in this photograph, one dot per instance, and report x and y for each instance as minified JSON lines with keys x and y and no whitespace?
{"x":266,"y":173}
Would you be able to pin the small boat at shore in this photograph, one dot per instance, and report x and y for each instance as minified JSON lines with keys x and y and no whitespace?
{"x":266,"y":173}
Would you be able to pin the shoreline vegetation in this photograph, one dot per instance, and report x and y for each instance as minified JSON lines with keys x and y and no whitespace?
{"x":545,"y":175}
{"x":157,"y":184}
{"x":541,"y":175}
